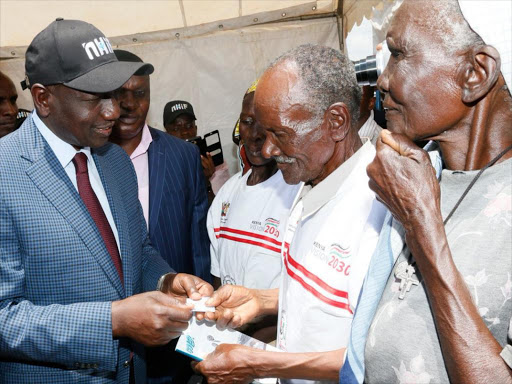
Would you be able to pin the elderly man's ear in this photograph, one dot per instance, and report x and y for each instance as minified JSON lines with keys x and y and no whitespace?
{"x":479,"y":73}
{"x":338,"y":118}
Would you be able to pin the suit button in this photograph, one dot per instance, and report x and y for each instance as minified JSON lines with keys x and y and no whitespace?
{"x":82,"y":365}
{"x":77,"y":365}
{"x":126,"y":363}
{"x":95,"y":366}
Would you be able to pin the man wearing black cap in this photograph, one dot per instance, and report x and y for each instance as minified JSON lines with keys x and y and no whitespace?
{"x":172,"y":194}
{"x":74,"y":250}
{"x":180,"y":121}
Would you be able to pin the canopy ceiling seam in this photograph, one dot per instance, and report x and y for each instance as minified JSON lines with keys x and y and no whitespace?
{"x":269,"y":17}
{"x":182,"y":8}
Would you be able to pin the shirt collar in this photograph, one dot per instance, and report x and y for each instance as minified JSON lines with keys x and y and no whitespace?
{"x":368,"y":122}
{"x":64,"y":152}
{"x":326,"y":190}
{"x":145,"y":141}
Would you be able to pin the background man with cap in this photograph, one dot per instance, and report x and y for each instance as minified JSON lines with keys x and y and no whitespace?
{"x":172,"y":194}
{"x":74,"y":250}
{"x":180,"y":121}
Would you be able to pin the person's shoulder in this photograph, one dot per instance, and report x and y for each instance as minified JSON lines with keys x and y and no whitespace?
{"x":12,"y":144}
{"x":233,"y":183}
{"x":116,"y":157}
{"x":113,"y":151}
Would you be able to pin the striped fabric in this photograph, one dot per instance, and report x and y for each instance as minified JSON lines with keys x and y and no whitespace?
{"x":57,"y":280}
{"x":178,"y":205}
{"x":246,"y":237}
{"x":314,"y":284}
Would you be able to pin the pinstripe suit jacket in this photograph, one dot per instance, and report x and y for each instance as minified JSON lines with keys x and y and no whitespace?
{"x":57,"y":280}
{"x":178,"y":205}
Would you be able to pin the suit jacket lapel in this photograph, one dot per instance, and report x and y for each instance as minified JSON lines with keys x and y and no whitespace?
{"x":157,"y":171}
{"x":53,"y":182}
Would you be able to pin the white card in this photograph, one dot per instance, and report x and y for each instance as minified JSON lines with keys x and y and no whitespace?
{"x":199,"y":305}
{"x":202,"y":337}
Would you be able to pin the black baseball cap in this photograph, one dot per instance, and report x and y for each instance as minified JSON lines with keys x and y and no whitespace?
{"x":130,"y":57}
{"x":175,"y":108}
{"x":78,"y":55}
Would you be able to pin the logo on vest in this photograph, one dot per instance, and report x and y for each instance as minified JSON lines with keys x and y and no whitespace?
{"x":98,"y":47}
{"x":338,"y":251}
{"x":225,"y":208}
{"x":224,"y":212}
{"x":271,"y":226}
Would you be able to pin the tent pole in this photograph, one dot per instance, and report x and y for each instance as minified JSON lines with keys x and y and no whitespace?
{"x":339,"y":17}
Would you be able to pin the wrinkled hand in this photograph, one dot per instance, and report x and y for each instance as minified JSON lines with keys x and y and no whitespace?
{"x":183,"y":284}
{"x":151,"y":318}
{"x":235,"y":306}
{"x":227,"y":364}
{"x":403,"y":178}
{"x":208,"y":166}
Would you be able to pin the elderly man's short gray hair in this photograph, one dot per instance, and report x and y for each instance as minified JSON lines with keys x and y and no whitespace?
{"x":326,"y":77}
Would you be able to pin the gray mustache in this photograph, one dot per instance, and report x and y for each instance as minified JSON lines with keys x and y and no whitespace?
{"x":283,"y":160}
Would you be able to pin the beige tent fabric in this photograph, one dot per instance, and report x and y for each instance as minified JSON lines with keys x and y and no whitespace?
{"x":212,"y":72}
{"x":204,"y":51}
{"x":127,"y":17}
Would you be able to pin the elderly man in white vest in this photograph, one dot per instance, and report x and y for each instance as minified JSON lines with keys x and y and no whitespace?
{"x":308,"y":102}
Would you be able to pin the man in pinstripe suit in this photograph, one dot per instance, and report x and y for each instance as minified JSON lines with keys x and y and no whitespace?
{"x":172,"y":194}
{"x":75,"y":256}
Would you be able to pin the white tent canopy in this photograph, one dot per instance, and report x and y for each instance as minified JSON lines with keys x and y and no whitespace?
{"x":132,"y":18}
{"x":204,"y":51}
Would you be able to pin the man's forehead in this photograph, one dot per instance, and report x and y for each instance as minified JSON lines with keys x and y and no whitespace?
{"x":6,"y":82}
{"x":416,"y":27}
{"x":136,"y":81}
{"x":278,"y":86}
{"x":184,"y":118}
{"x":418,"y":14}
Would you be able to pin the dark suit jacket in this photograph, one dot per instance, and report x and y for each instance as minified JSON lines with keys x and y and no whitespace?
{"x":57,"y":279}
{"x":178,"y":204}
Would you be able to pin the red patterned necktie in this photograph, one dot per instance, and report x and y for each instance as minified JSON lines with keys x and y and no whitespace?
{"x":93,"y":205}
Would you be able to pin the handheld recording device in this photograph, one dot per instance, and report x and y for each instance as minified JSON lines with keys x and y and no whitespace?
{"x":368,"y":70}
{"x":210,"y":143}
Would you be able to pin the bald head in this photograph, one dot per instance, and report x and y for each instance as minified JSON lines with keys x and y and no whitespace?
{"x":8,"y":107}
{"x":443,"y":20}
